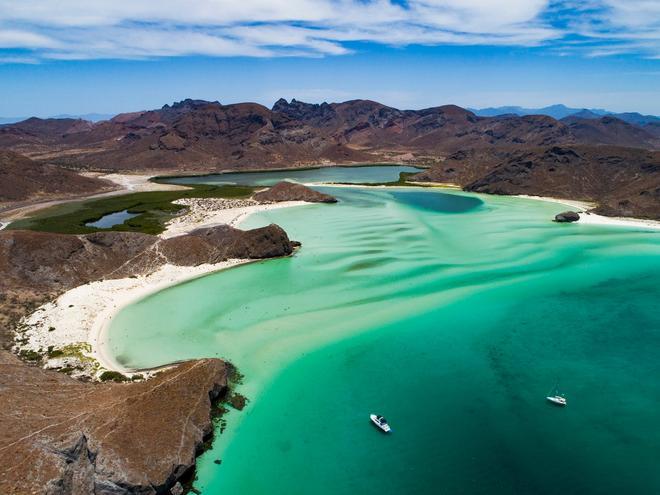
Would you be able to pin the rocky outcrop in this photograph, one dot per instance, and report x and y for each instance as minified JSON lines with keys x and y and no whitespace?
{"x":290,"y":191}
{"x":50,"y":261}
{"x":172,"y":141}
{"x":567,"y":217}
{"x":22,"y":179}
{"x":227,"y":242}
{"x":60,"y":436}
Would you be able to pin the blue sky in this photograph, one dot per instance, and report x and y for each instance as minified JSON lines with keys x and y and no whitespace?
{"x":76,"y":56}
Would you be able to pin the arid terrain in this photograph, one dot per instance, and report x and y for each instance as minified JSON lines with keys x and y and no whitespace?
{"x":203,"y":135}
{"x":22,"y":179}
{"x":612,"y":161}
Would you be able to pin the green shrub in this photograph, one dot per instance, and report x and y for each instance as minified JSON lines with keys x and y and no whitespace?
{"x":30,"y":355}
{"x":112,"y":376}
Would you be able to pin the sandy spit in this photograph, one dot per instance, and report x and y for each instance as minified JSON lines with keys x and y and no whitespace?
{"x":80,"y":317}
{"x":209,"y":212}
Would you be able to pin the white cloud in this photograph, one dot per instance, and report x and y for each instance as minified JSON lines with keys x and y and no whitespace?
{"x":84,"y":29}
{"x":18,"y":60}
{"x":144,"y":28}
{"x":11,"y":38}
{"x":620,"y":27}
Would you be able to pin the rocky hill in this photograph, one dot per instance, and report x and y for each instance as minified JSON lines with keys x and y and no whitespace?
{"x":23,"y":179}
{"x":36,"y":266}
{"x":61,"y":436}
{"x":290,"y":191}
{"x":205,"y":135}
{"x":610,"y":130}
{"x":65,"y":437}
{"x":623,"y":181}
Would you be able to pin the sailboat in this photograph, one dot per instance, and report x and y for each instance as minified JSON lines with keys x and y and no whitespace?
{"x":556,"y":398}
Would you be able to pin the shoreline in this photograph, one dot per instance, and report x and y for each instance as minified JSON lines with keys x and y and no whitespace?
{"x":167,"y":276}
{"x":97,"y":303}
{"x":81,"y":315}
{"x":86,"y":312}
{"x":584,"y":207}
{"x":307,"y":166}
{"x":127,"y":183}
{"x":204,"y":213}
{"x":589,"y":218}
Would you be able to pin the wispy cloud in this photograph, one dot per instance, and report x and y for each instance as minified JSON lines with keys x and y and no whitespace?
{"x":83,"y":29}
{"x":615,"y":27}
{"x":18,"y":60}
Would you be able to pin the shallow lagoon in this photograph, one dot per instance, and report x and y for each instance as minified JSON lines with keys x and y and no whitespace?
{"x":111,"y":219}
{"x":451,"y":314}
{"x":357,"y":175}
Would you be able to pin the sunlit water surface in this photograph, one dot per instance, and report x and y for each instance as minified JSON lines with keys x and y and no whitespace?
{"x":454,"y":315}
{"x":356,"y":175}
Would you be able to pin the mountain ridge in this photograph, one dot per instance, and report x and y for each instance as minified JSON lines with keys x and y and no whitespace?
{"x":560,"y":111}
{"x":622,"y":181}
{"x":204,"y":135}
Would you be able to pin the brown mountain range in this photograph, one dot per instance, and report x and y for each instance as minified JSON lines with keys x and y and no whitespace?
{"x":210,"y":136}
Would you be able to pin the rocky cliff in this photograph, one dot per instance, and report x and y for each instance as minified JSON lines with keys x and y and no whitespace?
{"x":60,"y":436}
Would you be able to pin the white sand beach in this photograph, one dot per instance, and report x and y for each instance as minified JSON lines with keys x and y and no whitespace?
{"x":137,"y":182}
{"x":209,"y":212}
{"x":80,"y":316}
{"x":594,"y":219}
{"x":589,"y":218}
{"x":78,"y":319}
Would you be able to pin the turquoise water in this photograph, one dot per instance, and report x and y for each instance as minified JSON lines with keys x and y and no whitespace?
{"x":451,"y":314}
{"x":355,"y":175}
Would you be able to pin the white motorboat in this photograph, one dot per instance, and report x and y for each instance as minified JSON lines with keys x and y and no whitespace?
{"x":557,"y":399}
{"x":380,"y":422}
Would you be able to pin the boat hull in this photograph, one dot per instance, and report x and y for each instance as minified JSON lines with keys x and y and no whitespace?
{"x":558,"y":401}
{"x":385,"y":428}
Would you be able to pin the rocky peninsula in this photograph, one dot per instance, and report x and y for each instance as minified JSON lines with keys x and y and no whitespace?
{"x":63,"y":435}
{"x":117,"y":438}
